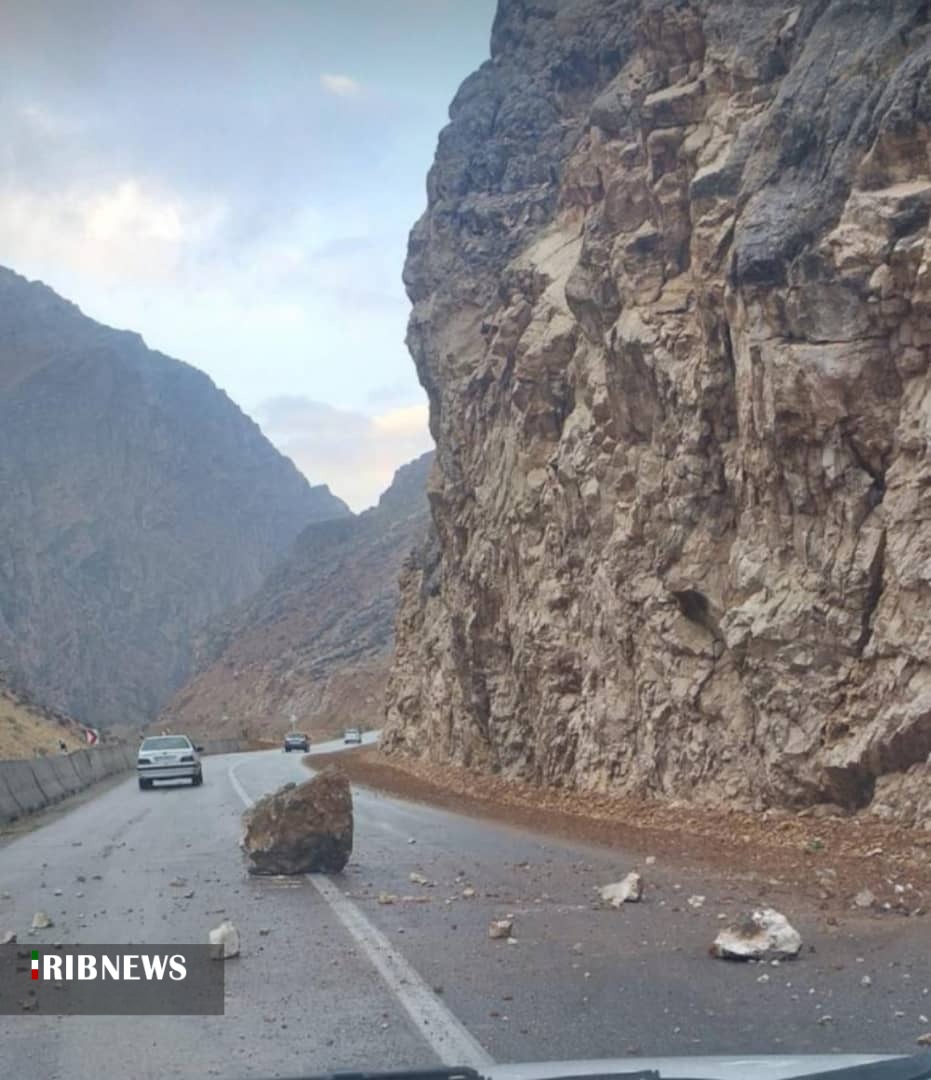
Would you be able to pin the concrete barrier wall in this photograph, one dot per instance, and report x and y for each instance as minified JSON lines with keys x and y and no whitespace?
{"x":30,"y":784}
{"x":222,"y":746}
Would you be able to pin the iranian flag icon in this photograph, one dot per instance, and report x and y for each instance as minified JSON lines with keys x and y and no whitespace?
{"x":35,"y":963}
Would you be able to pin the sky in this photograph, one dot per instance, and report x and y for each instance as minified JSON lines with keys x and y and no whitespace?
{"x":235,"y":180}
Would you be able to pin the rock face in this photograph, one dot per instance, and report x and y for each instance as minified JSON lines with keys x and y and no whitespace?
{"x":315,"y":639}
{"x":301,"y":829}
{"x":136,"y":501}
{"x":672,"y":307}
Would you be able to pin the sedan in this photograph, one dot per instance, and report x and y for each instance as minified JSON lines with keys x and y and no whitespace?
{"x":169,"y":757}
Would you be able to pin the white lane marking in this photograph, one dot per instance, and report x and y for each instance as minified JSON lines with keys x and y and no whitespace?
{"x":234,"y":780}
{"x":444,"y":1032}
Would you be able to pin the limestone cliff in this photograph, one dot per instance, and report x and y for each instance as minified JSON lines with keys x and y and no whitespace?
{"x":314,"y":641}
{"x":136,"y":501}
{"x":672,"y":307}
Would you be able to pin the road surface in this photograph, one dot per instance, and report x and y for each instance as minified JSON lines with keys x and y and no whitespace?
{"x":342,"y":981}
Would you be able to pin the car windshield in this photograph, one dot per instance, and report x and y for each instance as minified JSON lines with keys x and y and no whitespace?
{"x":166,"y":742}
{"x":545,"y":385}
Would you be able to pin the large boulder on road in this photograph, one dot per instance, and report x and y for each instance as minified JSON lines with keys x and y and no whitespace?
{"x":301,"y":828}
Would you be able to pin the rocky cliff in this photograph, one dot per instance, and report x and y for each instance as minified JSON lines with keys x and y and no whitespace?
{"x":672,"y":307}
{"x":136,"y":501}
{"x":314,"y":641}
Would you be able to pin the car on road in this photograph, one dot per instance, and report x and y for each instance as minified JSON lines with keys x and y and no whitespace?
{"x":352,"y":735}
{"x":296,"y":740}
{"x":168,"y":757}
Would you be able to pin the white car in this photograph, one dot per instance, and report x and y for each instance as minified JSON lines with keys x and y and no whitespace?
{"x":168,"y":757}
{"x":352,"y":735}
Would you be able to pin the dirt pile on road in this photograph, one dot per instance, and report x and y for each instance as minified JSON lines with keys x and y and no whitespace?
{"x":672,"y":308}
{"x":301,"y":828}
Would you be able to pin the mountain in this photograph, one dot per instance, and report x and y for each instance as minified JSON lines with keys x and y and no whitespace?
{"x":672,"y":307}
{"x":314,"y":642}
{"x":136,"y":501}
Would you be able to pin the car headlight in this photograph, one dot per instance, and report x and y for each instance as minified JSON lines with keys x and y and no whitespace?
{"x":187,"y":758}
{"x":143,"y":761}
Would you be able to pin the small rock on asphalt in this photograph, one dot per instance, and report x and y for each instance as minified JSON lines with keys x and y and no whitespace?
{"x":760,"y":935}
{"x":41,"y":921}
{"x":628,"y":890}
{"x":227,"y":936}
{"x":500,"y":928}
{"x":8,"y":937}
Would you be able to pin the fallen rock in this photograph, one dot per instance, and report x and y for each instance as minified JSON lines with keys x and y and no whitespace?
{"x":8,"y":937}
{"x":760,"y":935}
{"x":302,"y":828}
{"x":864,"y":899}
{"x":695,"y":901}
{"x":41,"y":921}
{"x":417,"y":879}
{"x":468,"y":892}
{"x":386,"y":898}
{"x":924,"y":1040}
{"x":227,"y":936}
{"x":628,"y":890}
{"x":500,"y":928}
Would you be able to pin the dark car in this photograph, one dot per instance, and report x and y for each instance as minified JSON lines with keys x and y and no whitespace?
{"x":296,"y":740}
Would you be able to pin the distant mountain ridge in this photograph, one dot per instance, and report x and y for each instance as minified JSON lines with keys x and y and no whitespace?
{"x":136,"y":502}
{"x":315,"y":640}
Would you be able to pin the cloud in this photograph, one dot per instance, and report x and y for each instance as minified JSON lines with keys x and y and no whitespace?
{"x":340,"y":85}
{"x":124,"y":229}
{"x":356,"y":454}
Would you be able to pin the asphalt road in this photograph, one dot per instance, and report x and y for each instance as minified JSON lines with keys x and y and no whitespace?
{"x":343,"y":981}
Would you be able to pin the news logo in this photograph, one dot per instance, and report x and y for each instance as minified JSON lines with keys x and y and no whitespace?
{"x":125,"y":967}
{"x":112,"y":980}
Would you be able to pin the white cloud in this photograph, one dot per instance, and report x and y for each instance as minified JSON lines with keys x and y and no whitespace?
{"x":124,"y":230}
{"x":356,"y":454}
{"x":340,"y":85}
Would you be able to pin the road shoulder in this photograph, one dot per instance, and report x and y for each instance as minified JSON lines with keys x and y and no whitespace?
{"x":828,"y":860}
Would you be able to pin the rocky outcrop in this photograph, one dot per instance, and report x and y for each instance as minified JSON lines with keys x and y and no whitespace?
{"x":136,"y":501}
{"x":302,"y":828}
{"x":672,"y":308}
{"x":314,"y":641}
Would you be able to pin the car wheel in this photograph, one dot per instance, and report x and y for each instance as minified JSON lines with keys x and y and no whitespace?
{"x":198,"y":779}
{"x":144,"y":785}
